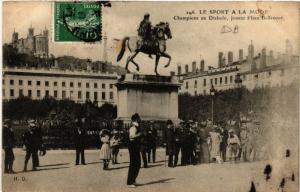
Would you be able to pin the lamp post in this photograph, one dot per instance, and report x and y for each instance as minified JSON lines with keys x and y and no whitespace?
{"x":212,"y":93}
{"x":238,"y":82}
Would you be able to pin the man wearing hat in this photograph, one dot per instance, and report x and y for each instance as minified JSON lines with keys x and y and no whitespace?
{"x":31,"y":145}
{"x":170,"y":143}
{"x":145,"y":30}
{"x":152,"y":137}
{"x":79,"y":141}
{"x":134,"y":150}
{"x":8,"y":144}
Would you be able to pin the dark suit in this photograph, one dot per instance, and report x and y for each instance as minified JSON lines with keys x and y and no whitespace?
{"x":8,"y":144}
{"x":135,"y":159}
{"x":170,"y":145}
{"x":144,"y":148}
{"x":31,"y":143}
{"x":79,"y":140}
{"x":152,"y":136}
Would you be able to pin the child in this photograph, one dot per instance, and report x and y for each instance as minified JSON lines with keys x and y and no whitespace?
{"x":233,"y":146}
{"x":105,"y":151}
{"x":115,"y":146}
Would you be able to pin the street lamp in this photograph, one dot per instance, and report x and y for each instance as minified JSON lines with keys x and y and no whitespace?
{"x":238,"y":82}
{"x":212,"y":93}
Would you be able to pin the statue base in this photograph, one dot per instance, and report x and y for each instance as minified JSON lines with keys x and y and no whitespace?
{"x":154,"y":98}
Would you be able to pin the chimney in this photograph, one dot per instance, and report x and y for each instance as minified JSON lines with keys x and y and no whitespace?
{"x":250,"y":56}
{"x":194,"y":67}
{"x":186,"y":69}
{"x":202,"y":65}
{"x":220,"y":63}
{"x":179,"y":70}
{"x":271,"y":58}
{"x":230,"y":57}
{"x":241,"y":56}
{"x":263,"y":59}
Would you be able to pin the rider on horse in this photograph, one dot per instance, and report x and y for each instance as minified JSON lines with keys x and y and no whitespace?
{"x":145,"y":31}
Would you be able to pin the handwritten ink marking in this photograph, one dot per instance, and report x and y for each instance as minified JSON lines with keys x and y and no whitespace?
{"x":236,"y":29}
{"x":225,"y":29}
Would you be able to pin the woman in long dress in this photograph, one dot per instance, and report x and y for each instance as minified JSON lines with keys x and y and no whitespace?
{"x":204,"y":152}
{"x":215,"y":146}
{"x":105,"y":151}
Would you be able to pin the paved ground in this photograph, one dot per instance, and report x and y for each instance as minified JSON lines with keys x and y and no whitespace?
{"x":58,"y":173}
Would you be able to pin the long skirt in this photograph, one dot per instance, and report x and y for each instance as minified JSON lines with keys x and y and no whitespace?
{"x":204,"y":154}
{"x":105,"y":152}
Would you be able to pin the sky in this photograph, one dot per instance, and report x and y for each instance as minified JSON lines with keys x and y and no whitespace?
{"x":192,"y":40}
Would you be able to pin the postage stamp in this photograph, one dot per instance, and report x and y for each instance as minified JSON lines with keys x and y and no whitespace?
{"x":77,"y":21}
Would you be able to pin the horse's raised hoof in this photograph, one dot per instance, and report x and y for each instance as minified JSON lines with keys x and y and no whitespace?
{"x":138,"y":68}
{"x":167,"y":65}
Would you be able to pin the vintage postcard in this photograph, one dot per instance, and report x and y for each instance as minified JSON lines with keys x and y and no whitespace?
{"x":150,"y":96}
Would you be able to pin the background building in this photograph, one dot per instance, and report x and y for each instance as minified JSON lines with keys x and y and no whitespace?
{"x":36,"y":45}
{"x":261,"y":70}
{"x":79,"y":86}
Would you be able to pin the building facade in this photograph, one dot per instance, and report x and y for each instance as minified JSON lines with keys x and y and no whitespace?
{"x":79,"y":86}
{"x":255,"y":71}
{"x":36,"y":45}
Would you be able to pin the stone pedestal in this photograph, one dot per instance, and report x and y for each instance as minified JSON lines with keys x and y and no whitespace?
{"x":154,"y":98}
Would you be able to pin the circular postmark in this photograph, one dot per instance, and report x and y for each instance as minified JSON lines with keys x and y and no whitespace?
{"x":83,"y":22}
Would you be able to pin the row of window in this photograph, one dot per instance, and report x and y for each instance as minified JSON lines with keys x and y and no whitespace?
{"x":212,"y":82}
{"x":63,"y":94}
{"x":55,"y":84}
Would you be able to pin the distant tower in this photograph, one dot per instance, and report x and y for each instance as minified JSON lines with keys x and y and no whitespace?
{"x":263,"y":60}
{"x":230,"y":57}
{"x":31,"y":31}
{"x":46,"y":42}
{"x":179,"y":69}
{"x":241,"y":56}
{"x":250,"y":56}
{"x":194,"y":66}
{"x":220,"y":60}
{"x":202,"y":65}
{"x":104,"y":48}
{"x":14,"y":39}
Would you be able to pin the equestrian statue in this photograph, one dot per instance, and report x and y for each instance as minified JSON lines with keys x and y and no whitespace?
{"x":150,"y":40}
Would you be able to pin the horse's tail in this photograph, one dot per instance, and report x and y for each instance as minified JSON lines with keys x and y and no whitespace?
{"x":123,"y":48}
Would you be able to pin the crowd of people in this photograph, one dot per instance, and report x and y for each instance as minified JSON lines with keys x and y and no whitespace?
{"x":188,"y":142}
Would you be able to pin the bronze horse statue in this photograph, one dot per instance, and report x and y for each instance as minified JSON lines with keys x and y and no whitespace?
{"x":155,"y":46}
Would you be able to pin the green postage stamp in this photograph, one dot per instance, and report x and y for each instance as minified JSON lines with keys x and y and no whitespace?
{"x":77,"y":21}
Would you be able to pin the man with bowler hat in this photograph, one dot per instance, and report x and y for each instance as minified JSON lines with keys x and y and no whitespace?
{"x":79,"y":140}
{"x":31,"y":145}
{"x":8,"y":144}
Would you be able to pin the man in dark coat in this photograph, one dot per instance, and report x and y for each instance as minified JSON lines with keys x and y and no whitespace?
{"x":184,"y":145}
{"x":145,"y":31}
{"x":170,"y":143}
{"x":79,"y":140}
{"x":32,"y":145}
{"x":152,"y":137}
{"x":144,"y":147}
{"x":38,"y":137}
{"x":134,"y":150}
{"x":178,"y":144}
{"x":145,"y":28}
{"x":8,"y":144}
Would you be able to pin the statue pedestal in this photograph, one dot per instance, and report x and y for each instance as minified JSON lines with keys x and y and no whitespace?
{"x":154,"y":98}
